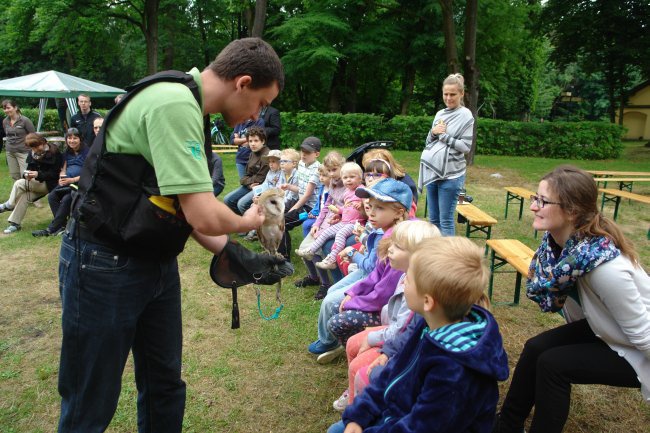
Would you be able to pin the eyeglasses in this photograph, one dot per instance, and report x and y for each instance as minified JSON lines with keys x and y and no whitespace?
{"x":540,"y":202}
{"x":286,"y":161}
{"x":373,"y":175}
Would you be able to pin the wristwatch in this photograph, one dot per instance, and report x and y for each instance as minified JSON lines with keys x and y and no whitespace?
{"x":351,"y":252}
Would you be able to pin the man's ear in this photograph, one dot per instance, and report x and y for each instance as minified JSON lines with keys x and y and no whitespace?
{"x":243,"y":81}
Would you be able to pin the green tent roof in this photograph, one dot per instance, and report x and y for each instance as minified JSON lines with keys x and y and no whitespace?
{"x":53,"y":84}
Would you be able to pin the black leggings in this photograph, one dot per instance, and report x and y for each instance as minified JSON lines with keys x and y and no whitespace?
{"x":548,"y":365}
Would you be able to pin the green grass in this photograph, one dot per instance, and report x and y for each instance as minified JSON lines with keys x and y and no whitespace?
{"x":260,"y":377}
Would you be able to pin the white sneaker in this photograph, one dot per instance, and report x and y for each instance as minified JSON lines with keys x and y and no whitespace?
{"x":305,"y":253}
{"x":327,"y":357}
{"x":327,"y":263}
{"x":13,"y":228}
{"x":341,"y":403}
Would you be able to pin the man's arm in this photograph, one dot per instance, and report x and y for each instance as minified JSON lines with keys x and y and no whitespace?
{"x":211,"y":217}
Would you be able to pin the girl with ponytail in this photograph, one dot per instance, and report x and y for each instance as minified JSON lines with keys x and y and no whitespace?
{"x":588,"y":269}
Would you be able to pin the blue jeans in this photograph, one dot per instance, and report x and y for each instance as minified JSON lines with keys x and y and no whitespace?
{"x":337,"y":427}
{"x":441,"y":199}
{"x":241,"y":169}
{"x":239,"y":200}
{"x":113,"y":304}
{"x":330,"y":305}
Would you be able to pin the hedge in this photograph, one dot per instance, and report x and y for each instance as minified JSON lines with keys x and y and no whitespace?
{"x":574,"y":140}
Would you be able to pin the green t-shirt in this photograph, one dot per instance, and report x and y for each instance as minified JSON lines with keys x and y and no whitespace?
{"x":164,"y":124}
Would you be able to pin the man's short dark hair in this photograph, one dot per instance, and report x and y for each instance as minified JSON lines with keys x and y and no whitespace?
{"x":249,"y":56}
{"x":256,"y":131}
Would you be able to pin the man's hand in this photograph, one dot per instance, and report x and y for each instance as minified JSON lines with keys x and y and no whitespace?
{"x":252,"y":219}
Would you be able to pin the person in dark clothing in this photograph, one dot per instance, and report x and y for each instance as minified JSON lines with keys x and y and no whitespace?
{"x":272,"y":127}
{"x":84,"y":118}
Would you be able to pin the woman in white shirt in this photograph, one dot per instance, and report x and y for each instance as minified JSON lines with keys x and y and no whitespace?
{"x":589,"y":270}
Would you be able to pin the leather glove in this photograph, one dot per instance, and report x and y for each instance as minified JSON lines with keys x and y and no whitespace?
{"x":237,"y":266}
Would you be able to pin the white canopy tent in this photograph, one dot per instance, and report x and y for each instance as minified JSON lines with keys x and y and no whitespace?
{"x":53,"y":84}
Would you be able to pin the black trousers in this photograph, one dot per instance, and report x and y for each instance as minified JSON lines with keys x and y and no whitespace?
{"x":548,"y":365}
{"x":291,"y":220}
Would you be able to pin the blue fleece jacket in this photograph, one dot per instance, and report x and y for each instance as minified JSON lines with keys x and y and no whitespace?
{"x":430,"y":387}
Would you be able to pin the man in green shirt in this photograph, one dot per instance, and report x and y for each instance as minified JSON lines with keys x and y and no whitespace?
{"x":116,"y":301}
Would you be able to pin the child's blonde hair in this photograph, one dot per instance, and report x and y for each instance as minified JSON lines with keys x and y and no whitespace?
{"x":452,"y":271}
{"x":382,"y":161}
{"x":322,"y":170}
{"x":333,"y":159}
{"x":409,"y":234}
{"x":352,"y":167}
{"x":291,"y":154}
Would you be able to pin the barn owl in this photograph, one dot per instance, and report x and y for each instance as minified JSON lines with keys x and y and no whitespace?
{"x":270,"y":233}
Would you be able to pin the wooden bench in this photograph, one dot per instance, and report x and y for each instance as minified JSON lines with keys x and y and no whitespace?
{"x":476,"y":220}
{"x":514,"y":253}
{"x":613,"y":173}
{"x":224,"y":148}
{"x":624,"y":183}
{"x":616,"y":195}
{"x":517,"y":194}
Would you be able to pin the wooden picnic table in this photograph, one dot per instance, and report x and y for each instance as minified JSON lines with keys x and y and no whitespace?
{"x":613,"y":173}
{"x":514,"y":253}
{"x":518,"y":195}
{"x":615,"y":195}
{"x":623,"y":182}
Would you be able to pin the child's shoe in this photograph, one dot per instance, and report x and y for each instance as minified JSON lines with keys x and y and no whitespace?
{"x":251,"y":236}
{"x":341,"y":403}
{"x":305,"y":253}
{"x":306,"y":282}
{"x":13,"y":228}
{"x":353,"y":267}
{"x":327,"y":263}
{"x":4,"y":207}
{"x":318,"y":348}
{"x":322,"y":292}
{"x":330,"y":355}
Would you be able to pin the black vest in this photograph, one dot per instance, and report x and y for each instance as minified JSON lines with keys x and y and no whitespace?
{"x":115,"y":205}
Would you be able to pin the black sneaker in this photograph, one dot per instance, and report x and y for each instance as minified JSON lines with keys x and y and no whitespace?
{"x":306,"y":282}
{"x":39,"y":233}
{"x":322,"y":292}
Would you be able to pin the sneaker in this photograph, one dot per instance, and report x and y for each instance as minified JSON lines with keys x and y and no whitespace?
{"x":4,"y":207}
{"x":13,"y":228}
{"x":341,"y":403}
{"x":305,"y":253}
{"x":39,"y":233}
{"x":306,"y":282}
{"x":331,"y":355}
{"x":318,"y":348}
{"x":322,"y":292}
{"x":251,"y":236}
{"x":352,"y":268}
{"x":327,"y":263}
{"x":58,"y":232}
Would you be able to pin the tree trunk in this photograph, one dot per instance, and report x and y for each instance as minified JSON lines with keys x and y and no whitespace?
{"x":470,"y":68}
{"x":204,"y":35}
{"x":351,"y":89}
{"x":151,"y":34}
{"x":408,"y":83}
{"x":260,"y":19}
{"x":334,"y":100}
{"x":448,"y":28}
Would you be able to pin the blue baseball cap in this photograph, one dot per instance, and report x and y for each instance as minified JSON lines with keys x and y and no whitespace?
{"x":388,"y":190}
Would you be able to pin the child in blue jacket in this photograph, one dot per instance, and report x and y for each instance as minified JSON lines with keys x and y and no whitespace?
{"x":445,"y":377}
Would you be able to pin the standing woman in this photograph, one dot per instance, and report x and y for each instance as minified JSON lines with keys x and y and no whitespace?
{"x":16,"y":128}
{"x":586,"y":266}
{"x":442,"y":164}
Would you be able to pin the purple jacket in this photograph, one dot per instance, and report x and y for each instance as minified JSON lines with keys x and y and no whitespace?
{"x":374,"y":291}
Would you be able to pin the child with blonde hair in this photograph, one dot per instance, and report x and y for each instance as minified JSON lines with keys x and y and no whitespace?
{"x":445,"y":377}
{"x":346,"y":215}
{"x":363,"y":347}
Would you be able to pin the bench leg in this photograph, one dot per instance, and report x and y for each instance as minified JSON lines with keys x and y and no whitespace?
{"x":616,"y":204}
{"x":491,"y":284}
{"x":521,"y":207}
{"x":507,"y":204}
{"x":489,"y":235}
{"x":515,"y":301}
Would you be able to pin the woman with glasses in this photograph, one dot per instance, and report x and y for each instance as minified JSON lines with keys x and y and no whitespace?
{"x":589,"y":270}
{"x":40,"y":177}
{"x":60,"y":198}
{"x":442,"y":164}
{"x":16,"y":128}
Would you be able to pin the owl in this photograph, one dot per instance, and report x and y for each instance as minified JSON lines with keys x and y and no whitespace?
{"x":271,"y":232}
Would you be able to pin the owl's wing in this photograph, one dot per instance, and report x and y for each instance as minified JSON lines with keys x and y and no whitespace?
{"x":262,"y":238}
